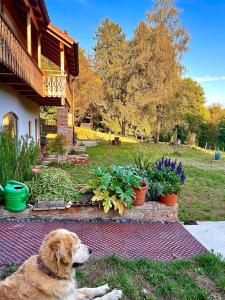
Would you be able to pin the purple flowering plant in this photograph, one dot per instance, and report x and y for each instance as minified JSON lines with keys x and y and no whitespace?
{"x":168,"y":174}
{"x":172,"y":165}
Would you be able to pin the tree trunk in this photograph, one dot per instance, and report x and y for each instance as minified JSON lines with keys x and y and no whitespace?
{"x":123,"y":127}
{"x":158,"y":129}
{"x":159,"y":117}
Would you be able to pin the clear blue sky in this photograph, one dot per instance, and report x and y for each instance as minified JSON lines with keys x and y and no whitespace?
{"x":204,"y":20}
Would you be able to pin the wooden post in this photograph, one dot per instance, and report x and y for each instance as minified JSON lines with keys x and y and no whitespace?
{"x":29,"y":48}
{"x":39,"y":50}
{"x":62,"y":58}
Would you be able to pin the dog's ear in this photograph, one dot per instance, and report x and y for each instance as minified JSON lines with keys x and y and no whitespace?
{"x":62,"y":252}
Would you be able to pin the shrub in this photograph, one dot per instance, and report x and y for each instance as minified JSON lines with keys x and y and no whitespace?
{"x":52,"y":184}
{"x":17,"y":157}
{"x":58,"y":145}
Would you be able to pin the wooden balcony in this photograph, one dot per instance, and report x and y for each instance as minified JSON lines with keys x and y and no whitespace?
{"x":56,"y":86}
{"x":17,"y":67}
{"x":19,"y":70}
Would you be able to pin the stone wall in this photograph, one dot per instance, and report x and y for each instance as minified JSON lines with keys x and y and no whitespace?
{"x":149,"y":212}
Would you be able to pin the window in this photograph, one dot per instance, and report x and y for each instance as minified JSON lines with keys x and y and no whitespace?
{"x":29,"y":129}
{"x":10,"y":123}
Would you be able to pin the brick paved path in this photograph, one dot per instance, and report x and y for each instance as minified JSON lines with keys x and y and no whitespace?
{"x":19,"y":240}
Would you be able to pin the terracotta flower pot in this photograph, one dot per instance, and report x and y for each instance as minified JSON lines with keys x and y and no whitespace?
{"x":140,"y":194}
{"x":36,"y":170}
{"x":168,"y":200}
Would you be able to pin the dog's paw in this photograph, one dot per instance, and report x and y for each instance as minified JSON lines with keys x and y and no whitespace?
{"x":115,"y":295}
{"x":104,"y":289}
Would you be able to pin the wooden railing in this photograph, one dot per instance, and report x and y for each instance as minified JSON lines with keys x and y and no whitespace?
{"x":16,"y":58}
{"x":56,"y":85}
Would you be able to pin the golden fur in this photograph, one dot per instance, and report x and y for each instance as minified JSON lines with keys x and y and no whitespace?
{"x":59,"y":251}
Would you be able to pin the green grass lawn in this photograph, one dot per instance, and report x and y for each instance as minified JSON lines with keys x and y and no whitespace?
{"x":202,"y":278}
{"x":203,"y":196}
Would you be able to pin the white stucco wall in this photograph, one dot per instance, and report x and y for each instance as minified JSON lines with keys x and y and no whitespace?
{"x":25,"y":109}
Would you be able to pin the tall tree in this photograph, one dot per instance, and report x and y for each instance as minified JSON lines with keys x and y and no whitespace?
{"x":89,"y":89}
{"x":112,"y":64}
{"x":158,"y":45}
{"x":164,"y":13}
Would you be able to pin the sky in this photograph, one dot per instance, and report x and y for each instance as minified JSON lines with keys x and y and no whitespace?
{"x":203,"y":19}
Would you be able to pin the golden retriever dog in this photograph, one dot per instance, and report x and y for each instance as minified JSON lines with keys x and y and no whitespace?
{"x":50,"y":276}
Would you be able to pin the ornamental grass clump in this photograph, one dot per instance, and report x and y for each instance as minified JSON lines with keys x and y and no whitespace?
{"x":17,"y":157}
{"x":52,"y":184}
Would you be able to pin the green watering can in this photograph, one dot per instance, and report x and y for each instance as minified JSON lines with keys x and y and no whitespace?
{"x":15,"y":194}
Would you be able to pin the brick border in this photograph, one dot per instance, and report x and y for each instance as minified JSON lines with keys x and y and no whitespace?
{"x":150,"y":212}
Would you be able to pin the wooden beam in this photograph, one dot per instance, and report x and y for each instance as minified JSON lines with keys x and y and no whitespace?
{"x":39,"y":50}
{"x":58,"y":38}
{"x":62,"y":58}
{"x":2,"y":7}
{"x":30,"y":8}
{"x":12,"y":83}
{"x":22,"y":89}
{"x":29,"y":40}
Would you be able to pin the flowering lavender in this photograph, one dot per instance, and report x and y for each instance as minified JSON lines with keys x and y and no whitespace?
{"x":163,"y":163}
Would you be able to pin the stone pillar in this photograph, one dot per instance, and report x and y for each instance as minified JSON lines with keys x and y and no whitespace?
{"x":62,"y":125}
{"x":70,"y":137}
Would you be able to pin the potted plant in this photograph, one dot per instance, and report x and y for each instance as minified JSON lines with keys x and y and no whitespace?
{"x":113,"y":187}
{"x":171,"y":177}
{"x":140,"y":194}
{"x":170,"y":191}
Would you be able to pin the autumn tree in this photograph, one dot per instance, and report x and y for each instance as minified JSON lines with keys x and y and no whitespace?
{"x":158,"y":45}
{"x":112,"y":54}
{"x":195,"y":114}
{"x":89,"y":89}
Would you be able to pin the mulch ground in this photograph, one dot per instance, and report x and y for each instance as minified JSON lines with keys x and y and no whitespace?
{"x":165,"y":242}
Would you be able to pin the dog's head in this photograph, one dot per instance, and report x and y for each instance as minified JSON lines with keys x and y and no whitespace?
{"x":62,"y":250}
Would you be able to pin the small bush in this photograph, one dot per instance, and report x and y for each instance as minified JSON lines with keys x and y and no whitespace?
{"x":59,"y":145}
{"x":52,"y":184}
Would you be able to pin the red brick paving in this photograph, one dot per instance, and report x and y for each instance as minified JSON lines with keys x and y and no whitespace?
{"x":19,"y":240}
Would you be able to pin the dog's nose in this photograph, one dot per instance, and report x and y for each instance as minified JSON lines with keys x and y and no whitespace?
{"x":90,"y":250}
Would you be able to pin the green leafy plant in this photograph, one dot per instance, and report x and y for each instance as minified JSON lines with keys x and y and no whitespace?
{"x":17,"y":157}
{"x":59,"y":145}
{"x":114,"y":187}
{"x":142,"y":162}
{"x":168,"y":180}
{"x":52,"y":184}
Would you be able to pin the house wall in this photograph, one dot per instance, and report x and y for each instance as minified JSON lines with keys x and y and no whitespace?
{"x":25,"y":109}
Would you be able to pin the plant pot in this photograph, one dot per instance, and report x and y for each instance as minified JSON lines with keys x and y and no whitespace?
{"x":140,"y":195}
{"x":168,"y":200}
{"x":36,"y":170}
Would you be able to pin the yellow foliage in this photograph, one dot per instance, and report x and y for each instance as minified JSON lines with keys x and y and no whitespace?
{"x":83,"y":134}
{"x":108,"y":201}
{"x":89,"y":134}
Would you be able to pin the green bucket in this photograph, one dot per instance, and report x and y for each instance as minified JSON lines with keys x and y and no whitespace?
{"x":15,"y":195}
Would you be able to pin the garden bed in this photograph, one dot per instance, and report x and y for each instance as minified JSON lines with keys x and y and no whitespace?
{"x":149,"y":212}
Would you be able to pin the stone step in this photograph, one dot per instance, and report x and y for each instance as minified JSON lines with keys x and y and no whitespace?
{"x":210,"y":234}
